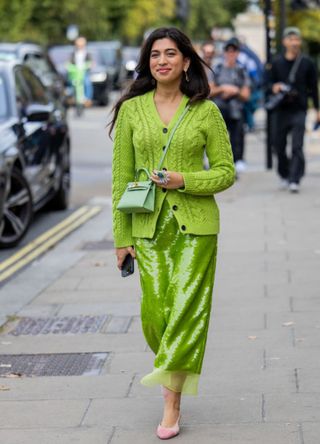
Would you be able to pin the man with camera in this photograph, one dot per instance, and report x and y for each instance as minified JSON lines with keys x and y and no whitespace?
{"x":293,"y":78}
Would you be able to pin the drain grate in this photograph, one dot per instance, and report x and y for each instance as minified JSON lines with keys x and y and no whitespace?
{"x":59,"y":325}
{"x":59,"y":364}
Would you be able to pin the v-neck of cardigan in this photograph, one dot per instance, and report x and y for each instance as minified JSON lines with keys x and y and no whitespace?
{"x":182,"y":104}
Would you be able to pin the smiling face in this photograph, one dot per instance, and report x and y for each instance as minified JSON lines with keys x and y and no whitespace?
{"x":167,"y":63}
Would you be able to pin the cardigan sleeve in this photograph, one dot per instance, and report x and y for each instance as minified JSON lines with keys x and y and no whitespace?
{"x":122,"y":173}
{"x":221,"y":173}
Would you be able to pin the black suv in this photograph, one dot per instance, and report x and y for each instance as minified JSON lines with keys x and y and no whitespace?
{"x":34,"y":151}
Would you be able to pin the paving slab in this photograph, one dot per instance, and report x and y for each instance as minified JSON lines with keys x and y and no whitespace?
{"x":295,"y":357}
{"x":310,"y":319}
{"x":84,"y":297}
{"x":130,"y":362}
{"x":219,"y":434}
{"x":114,"y":308}
{"x":39,"y":414}
{"x":200,"y":410}
{"x":311,"y":432}
{"x":73,"y":343}
{"x":297,"y":407}
{"x":65,"y":388}
{"x":77,"y":435}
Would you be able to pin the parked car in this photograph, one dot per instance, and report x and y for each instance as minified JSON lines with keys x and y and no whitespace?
{"x":130,"y":58}
{"x":108,"y":54}
{"x":99,"y":74}
{"x":37,"y":59}
{"x":34,"y":151}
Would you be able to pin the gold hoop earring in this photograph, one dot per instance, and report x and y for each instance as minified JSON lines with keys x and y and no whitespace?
{"x":187,"y":77}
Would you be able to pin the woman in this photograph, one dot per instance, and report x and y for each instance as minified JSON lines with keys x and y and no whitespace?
{"x":175,"y":246}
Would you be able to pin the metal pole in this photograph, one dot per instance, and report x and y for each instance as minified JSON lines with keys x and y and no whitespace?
{"x":283,"y":20}
{"x":268,"y":18}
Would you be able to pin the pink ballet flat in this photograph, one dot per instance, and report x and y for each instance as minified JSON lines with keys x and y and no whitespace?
{"x":168,"y":432}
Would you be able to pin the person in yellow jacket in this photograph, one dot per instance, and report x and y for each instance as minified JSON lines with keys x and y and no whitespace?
{"x":175,"y":246}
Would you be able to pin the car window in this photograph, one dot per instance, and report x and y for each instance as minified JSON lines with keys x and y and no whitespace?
{"x":22,"y":99}
{"x":41,"y":67}
{"x":35,"y":90}
{"x":3,"y":99}
{"x":60,"y":55}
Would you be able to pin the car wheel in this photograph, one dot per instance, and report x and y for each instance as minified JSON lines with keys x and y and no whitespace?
{"x":104,"y":100}
{"x":17,"y":214}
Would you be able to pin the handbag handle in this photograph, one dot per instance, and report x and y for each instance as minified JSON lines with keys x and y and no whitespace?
{"x":139,"y":170}
{"x":171,"y":135}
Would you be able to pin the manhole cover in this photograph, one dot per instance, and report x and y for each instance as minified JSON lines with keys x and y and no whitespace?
{"x":101,"y":245}
{"x":59,"y":325}
{"x":59,"y":364}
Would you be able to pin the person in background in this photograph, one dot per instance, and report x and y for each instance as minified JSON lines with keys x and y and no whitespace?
{"x":230,"y":89}
{"x":82,"y":62}
{"x":251,"y":62}
{"x":208,"y":55}
{"x":290,"y":115}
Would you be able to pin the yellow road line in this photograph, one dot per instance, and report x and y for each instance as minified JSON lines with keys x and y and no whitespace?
{"x":91,"y":212}
{"x":43,"y":237}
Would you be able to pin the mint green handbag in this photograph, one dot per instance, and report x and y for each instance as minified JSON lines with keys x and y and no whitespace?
{"x":139,"y":196}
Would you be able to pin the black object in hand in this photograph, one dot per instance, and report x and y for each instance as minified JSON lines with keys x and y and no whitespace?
{"x":127,"y":266}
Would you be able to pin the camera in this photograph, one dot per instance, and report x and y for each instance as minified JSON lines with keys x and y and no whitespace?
{"x":275,"y":99}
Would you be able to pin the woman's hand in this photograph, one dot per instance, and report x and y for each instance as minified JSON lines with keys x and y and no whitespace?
{"x":121,"y":253}
{"x":171,"y":180}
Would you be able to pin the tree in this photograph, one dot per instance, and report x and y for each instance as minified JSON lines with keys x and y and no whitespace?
{"x":46,"y":21}
{"x":211,"y":13}
{"x":144,"y":15}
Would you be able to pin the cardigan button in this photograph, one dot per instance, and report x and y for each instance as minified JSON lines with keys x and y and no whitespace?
{"x":174,"y":207}
{"x":183,"y":227}
{"x":164,"y":190}
{"x":164,"y":169}
{"x":165,"y":130}
{"x":163,"y":148}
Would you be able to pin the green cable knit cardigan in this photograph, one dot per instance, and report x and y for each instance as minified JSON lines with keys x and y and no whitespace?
{"x":140,"y":137}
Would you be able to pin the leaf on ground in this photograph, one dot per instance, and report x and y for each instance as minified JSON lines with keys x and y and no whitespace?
{"x":13,"y":375}
{"x":5,"y":365}
{"x":99,"y":264}
{"x":288,"y":324}
{"x":3,"y":388}
{"x":252,"y":338}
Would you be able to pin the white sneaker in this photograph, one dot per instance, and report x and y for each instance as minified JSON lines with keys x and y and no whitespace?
{"x":283,"y":184}
{"x":241,"y":166}
{"x":294,"y":187}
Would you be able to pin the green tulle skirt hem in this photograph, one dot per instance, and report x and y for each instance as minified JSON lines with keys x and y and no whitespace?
{"x":177,"y":381}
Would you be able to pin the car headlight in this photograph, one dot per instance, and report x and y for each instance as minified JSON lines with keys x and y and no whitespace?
{"x":98,"y":77}
{"x":131,"y":65}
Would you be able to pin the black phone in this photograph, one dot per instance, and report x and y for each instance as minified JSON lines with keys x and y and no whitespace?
{"x":127,"y":266}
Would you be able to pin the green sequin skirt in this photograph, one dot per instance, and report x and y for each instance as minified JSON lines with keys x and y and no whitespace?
{"x":177,"y":274}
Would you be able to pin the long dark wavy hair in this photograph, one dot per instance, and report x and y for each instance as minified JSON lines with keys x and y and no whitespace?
{"x":196,"y":89}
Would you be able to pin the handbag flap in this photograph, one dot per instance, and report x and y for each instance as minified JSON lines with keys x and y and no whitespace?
{"x":135,"y":186}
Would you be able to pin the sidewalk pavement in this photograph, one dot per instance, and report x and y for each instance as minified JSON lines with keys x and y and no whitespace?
{"x":260,"y":380}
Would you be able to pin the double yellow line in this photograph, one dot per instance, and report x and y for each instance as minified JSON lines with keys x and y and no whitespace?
{"x":46,"y":240}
